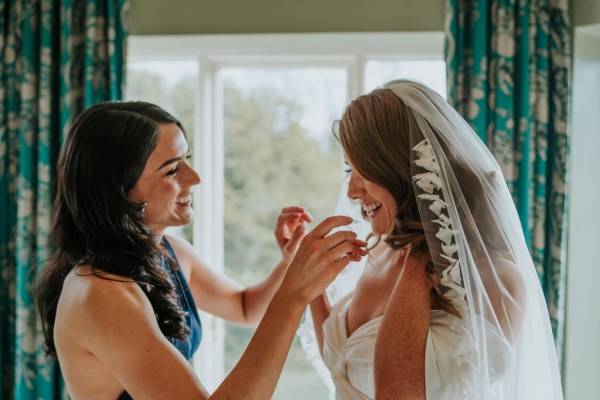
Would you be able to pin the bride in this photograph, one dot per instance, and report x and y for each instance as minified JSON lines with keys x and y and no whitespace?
{"x":448,"y":305}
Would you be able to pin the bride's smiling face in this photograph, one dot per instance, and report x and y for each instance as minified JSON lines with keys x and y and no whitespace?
{"x":377,"y":203}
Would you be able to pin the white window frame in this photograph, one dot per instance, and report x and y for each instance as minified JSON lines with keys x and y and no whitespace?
{"x":215,"y":52}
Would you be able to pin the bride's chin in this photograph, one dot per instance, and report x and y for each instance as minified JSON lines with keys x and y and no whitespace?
{"x":381,"y":231}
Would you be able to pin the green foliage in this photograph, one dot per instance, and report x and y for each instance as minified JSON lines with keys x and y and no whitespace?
{"x":270,"y":163}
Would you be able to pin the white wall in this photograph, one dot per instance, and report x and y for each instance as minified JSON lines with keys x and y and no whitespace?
{"x":582,"y":352}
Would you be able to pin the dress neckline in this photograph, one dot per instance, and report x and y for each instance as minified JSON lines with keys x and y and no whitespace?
{"x":361,"y":327}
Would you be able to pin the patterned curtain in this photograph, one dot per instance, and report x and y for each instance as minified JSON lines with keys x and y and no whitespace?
{"x":57,"y":58}
{"x":509,"y":75}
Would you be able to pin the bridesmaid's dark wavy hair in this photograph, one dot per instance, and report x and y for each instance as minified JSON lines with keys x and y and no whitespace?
{"x":95,"y":222}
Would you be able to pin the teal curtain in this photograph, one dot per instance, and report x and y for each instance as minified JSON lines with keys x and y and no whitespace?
{"x":509,"y":75}
{"x":57,"y":58}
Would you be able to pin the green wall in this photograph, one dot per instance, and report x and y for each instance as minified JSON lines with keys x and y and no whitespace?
{"x":585,"y":12}
{"x":170,"y":17}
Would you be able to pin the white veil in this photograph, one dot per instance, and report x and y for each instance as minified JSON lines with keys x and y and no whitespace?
{"x":476,"y":242}
{"x":343,"y":284}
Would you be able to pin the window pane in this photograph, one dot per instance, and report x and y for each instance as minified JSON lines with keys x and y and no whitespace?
{"x":430,"y":72}
{"x":171,"y":85}
{"x":279,"y":151}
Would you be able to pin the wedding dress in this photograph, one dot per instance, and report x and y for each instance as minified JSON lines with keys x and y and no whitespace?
{"x":448,"y":356}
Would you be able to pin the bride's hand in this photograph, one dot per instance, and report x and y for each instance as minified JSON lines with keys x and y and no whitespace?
{"x":320,"y":258}
{"x":287,"y":231}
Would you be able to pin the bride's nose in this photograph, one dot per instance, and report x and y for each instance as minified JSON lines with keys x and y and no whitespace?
{"x":355,"y":187}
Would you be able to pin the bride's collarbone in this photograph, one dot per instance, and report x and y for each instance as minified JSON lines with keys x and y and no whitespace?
{"x":371,"y":296}
{"x":375,"y":286}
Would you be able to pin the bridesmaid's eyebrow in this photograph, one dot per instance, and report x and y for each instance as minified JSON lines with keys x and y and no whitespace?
{"x":173,"y":160}
{"x":170,"y":161}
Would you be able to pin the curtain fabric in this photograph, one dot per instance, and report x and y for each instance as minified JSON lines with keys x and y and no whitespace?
{"x":57,"y":58}
{"x":509,"y":75}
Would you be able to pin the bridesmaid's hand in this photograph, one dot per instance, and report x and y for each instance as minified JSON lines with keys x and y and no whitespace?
{"x":320,"y":258}
{"x":287,"y":232}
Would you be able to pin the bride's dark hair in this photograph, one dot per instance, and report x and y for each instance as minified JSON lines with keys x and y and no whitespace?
{"x":95,"y":223}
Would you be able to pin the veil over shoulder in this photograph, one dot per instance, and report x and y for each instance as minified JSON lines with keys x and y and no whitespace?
{"x":475,"y":238}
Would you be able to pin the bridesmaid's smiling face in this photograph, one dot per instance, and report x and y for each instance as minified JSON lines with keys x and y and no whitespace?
{"x":166,"y":182}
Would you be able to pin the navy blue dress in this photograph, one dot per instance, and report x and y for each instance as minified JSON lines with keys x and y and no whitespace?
{"x":186,"y":347}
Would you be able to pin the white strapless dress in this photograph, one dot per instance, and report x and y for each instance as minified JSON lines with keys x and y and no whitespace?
{"x":449,"y":370}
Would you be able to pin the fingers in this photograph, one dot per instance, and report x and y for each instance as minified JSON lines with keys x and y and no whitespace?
{"x":288,"y":220}
{"x":342,"y":263}
{"x":300,"y":212}
{"x":359,"y":250}
{"x":293,"y":217}
{"x":337,"y":244}
{"x":328,"y":224}
{"x":356,"y":254}
{"x":296,"y":237}
{"x":320,"y":257}
{"x":338,"y":237}
{"x":347,"y":248}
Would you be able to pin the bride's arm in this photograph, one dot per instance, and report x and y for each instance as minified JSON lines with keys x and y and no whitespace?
{"x":400,"y":345}
{"x":320,"y":309}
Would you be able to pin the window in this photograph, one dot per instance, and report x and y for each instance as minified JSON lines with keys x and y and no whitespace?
{"x":430,"y":72}
{"x":258,"y":112}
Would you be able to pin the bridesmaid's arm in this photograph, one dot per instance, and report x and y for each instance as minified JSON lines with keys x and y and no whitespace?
{"x":114,"y":322}
{"x":220,"y":295}
{"x":400,"y":346}
{"x":320,"y":309}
